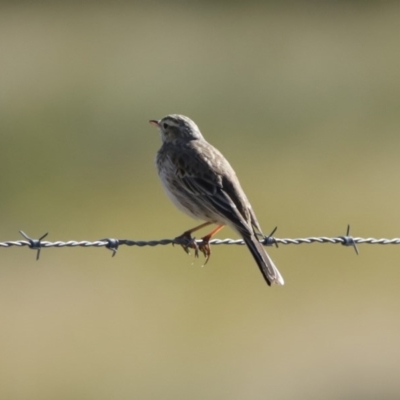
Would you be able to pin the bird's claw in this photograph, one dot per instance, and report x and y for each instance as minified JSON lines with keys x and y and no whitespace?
{"x":204,"y":247}
{"x":189,"y":242}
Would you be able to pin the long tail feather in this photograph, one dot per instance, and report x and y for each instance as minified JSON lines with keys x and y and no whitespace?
{"x":264,"y":262}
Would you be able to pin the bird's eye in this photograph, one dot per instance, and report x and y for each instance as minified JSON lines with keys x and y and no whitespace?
{"x":165,"y":125}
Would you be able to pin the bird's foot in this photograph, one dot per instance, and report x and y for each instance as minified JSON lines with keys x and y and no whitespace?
{"x":205,"y":248}
{"x":188,"y":242}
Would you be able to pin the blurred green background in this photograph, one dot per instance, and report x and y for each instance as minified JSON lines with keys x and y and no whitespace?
{"x":303,"y":99}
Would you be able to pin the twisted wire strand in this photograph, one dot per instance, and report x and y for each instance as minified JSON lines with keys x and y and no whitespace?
{"x":113,"y":244}
{"x":162,"y":242}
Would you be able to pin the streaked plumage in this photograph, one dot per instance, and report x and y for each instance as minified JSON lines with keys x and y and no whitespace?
{"x":201,"y":182}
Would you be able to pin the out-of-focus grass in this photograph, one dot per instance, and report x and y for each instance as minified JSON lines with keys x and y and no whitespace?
{"x":305,"y":104}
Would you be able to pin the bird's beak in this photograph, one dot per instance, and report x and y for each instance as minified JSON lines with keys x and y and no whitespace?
{"x":155,"y":123}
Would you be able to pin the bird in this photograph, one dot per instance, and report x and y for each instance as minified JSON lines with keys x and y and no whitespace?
{"x":200,"y":181}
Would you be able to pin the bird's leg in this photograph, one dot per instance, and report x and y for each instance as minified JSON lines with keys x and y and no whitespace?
{"x":190,"y":241}
{"x":205,"y":246}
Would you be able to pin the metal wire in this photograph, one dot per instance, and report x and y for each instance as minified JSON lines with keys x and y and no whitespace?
{"x":113,"y":244}
{"x":163,"y":242}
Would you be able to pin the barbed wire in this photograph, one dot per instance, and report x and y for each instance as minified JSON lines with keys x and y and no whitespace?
{"x":113,"y":244}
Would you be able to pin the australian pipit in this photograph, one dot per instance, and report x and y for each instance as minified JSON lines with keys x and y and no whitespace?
{"x":201,"y":182}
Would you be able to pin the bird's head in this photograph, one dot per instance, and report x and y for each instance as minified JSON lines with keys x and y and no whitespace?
{"x":176,"y":127}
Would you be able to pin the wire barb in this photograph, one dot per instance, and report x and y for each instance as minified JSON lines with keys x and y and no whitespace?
{"x":270,"y":240}
{"x":112,"y":244}
{"x":349,"y":240}
{"x":34,"y":244}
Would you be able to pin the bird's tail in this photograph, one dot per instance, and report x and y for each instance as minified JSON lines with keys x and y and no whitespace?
{"x":264,"y":262}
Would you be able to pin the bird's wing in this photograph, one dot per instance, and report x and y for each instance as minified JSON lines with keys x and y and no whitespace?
{"x":215,"y":199}
{"x":211,"y":177}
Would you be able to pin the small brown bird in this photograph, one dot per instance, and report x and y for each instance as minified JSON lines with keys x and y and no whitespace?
{"x":201,"y":182}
